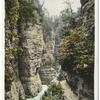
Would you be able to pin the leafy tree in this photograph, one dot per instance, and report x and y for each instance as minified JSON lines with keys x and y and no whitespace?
{"x":76,"y":53}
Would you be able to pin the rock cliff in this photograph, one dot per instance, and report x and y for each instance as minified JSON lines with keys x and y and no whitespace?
{"x":79,"y":67}
{"x":13,"y":87}
{"x":88,"y":16}
{"x":30,"y":51}
{"x":32,"y":44}
{"x":47,"y":71}
{"x":23,"y":49}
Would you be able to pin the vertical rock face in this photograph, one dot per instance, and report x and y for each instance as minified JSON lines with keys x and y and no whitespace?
{"x":16,"y":92}
{"x":13,"y":87}
{"x":88,"y":29}
{"x":47,"y":71}
{"x":88,"y":16}
{"x":30,"y":60}
{"x":82,"y":81}
{"x":23,"y":49}
{"x":86,"y":83}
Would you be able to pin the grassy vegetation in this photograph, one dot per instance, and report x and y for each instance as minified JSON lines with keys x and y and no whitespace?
{"x":54,"y":92}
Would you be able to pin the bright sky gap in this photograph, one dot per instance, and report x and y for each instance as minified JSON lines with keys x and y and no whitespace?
{"x":54,"y":7}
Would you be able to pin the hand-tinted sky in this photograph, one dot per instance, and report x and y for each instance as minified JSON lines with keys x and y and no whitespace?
{"x":55,"y":6}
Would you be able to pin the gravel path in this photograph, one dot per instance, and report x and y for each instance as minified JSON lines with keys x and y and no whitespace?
{"x":68,"y":93}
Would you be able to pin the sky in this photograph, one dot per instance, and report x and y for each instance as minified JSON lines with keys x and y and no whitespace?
{"x":55,"y":6}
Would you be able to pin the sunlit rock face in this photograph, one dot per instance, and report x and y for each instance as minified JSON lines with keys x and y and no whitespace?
{"x":47,"y":71}
{"x":16,"y":92}
{"x":47,"y":75}
{"x":23,"y":45}
{"x":30,"y":60}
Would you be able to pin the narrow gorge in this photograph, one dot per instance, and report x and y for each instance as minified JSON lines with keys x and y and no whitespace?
{"x":49,"y":58}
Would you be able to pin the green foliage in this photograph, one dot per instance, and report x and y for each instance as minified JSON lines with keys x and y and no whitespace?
{"x":46,"y":98}
{"x":10,"y":52}
{"x":76,"y":51}
{"x":66,"y":32}
{"x":54,"y":92}
{"x":55,"y":89}
{"x":30,"y":12}
{"x":12,"y":12}
{"x":26,"y":12}
{"x":11,"y":18}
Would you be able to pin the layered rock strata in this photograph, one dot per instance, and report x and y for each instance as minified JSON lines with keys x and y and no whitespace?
{"x":23,"y":49}
{"x":47,"y":71}
{"x":30,"y":60}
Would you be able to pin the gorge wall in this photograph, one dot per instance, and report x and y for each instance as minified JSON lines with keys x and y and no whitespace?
{"x":47,"y":70}
{"x":30,"y":50}
{"x":23,"y":49}
{"x":32,"y":44}
{"x":77,"y":53}
{"x":29,"y":59}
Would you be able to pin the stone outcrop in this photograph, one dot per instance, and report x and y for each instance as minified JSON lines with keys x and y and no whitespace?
{"x":47,"y":71}
{"x":30,"y":60}
{"x":47,"y":74}
{"x":88,"y":16}
{"x":82,"y":81}
{"x":13,"y":87}
{"x":23,"y":49}
{"x":82,"y":84}
{"x":16,"y":92}
{"x":88,"y":28}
